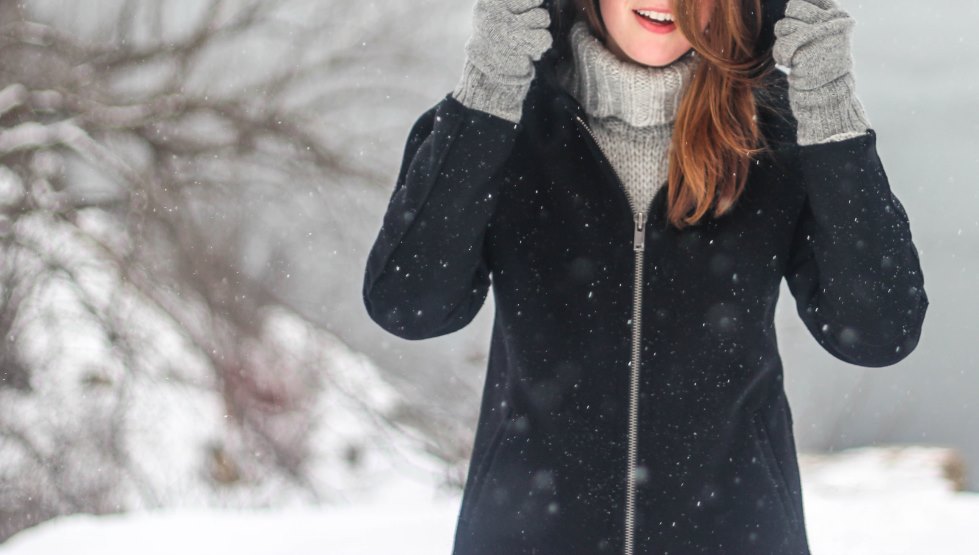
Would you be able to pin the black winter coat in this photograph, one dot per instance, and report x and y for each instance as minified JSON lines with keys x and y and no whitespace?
{"x":633,"y":400}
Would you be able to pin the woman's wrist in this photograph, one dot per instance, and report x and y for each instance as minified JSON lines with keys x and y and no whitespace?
{"x":480,"y":91}
{"x":831,"y":112}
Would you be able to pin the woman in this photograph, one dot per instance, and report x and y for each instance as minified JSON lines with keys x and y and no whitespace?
{"x":638,"y":190}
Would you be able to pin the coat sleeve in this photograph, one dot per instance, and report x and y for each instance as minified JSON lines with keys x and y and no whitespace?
{"x":854,"y":270}
{"x":427,"y":273}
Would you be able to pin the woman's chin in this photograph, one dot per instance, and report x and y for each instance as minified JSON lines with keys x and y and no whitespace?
{"x":656,"y":59}
{"x":656,"y":53}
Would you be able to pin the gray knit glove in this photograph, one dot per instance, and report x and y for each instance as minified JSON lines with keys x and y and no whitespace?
{"x":507,"y":36}
{"x":813,"y":42}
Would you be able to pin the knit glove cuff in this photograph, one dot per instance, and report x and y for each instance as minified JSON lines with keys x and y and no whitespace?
{"x":813,"y":42}
{"x":829,"y":113}
{"x":480,"y":91}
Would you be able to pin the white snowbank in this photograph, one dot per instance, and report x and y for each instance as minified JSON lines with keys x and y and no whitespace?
{"x":891,"y":500}
{"x":416,"y":525}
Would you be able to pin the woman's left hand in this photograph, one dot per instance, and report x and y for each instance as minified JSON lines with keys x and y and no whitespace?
{"x":813,"y":42}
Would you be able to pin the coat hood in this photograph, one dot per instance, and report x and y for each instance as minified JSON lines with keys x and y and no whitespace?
{"x":559,"y":10}
{"x":772,"y":11}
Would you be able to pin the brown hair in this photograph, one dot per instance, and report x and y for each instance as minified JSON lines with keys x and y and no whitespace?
{"x":716,"y":132}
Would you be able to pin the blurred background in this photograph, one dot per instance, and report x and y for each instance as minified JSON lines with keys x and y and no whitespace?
{"x":188,"y":192}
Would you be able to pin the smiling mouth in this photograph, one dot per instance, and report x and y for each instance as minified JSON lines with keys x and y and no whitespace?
{"x":658,"y":19}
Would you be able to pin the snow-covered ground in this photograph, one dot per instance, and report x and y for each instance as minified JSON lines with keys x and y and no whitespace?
{"x":871,"y":501}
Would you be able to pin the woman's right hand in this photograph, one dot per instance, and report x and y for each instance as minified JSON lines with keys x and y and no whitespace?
{"x":507,"y":37}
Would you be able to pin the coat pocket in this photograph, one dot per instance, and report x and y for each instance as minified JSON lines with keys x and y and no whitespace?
{"x":772,"y":465}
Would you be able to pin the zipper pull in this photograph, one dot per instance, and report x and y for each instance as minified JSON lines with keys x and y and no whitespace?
{"x":639,"y":237}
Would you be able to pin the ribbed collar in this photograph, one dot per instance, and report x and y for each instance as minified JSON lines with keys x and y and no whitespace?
{"x":606,"y":86}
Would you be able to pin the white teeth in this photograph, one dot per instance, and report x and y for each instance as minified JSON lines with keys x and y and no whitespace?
{"x":658,"y":16}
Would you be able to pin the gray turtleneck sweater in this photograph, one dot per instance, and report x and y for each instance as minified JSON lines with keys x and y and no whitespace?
{"x":631,"y":109}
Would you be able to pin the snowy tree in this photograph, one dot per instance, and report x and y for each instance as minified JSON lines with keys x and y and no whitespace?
{"x":146,"y":358}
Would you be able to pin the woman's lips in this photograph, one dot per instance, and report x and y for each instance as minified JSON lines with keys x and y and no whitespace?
{"x":655,"y":27}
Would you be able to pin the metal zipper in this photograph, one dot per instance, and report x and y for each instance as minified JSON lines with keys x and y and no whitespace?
{"x":638,"y":247}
